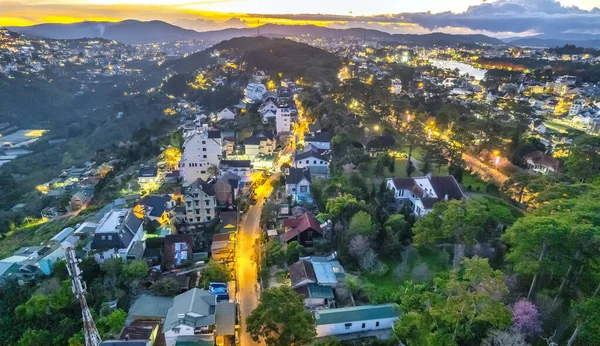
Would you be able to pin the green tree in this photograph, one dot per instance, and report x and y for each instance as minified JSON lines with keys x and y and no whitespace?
{"x":34,"y":337}
{"x":280,"y":319}
{"x":293,"y":252}
{"x":362,"y":223}
{"x":583,"y":161}
{"x":587,"y":316}
{"x":459,"y":311}
{"x":111,"y":324}
{"x":168,"y":287}
{"x":134,"y":272}
{"x":215,"y":272}
{"x":535,"y":244}
{"x":458,"y":222}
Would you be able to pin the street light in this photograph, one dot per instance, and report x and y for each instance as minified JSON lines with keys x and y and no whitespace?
{"x":376,"y":127}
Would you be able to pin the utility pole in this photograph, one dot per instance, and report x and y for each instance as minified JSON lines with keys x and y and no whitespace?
{"x":92,"y":337}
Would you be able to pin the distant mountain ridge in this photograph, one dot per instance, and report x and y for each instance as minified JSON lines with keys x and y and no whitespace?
{"x":138,"y":32}
{"x":550,"y":43}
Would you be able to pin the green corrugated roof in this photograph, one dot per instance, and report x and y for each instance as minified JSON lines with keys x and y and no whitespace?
{"x":194,"y":343}
{"x":318,"y":291}
{"x":150,"y":306}
{"x":356,"y":313}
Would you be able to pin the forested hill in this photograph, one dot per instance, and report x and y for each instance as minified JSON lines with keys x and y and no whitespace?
{"x":275,"y":55}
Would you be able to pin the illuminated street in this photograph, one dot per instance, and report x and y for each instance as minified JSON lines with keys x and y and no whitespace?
{"x":248,"y":293}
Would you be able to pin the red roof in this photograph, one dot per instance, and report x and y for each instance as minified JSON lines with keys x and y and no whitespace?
{"x":300,"y":224}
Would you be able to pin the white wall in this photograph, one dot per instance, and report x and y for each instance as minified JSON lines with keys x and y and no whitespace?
{"x":356,"y":327}
{"x":171,"y":336}
{"x":200,"y":152}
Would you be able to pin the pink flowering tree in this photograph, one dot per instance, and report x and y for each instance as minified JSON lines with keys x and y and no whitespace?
{"x":526,"y":318}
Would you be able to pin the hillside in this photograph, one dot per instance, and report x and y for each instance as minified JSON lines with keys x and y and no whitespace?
{"x":545,"y":42}
{"x":129,"y":31}
{"x":135,"y":32}
{"x":271,"y":54}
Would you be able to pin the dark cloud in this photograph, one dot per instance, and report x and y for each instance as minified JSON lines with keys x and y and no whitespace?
{"x":546,"y":17}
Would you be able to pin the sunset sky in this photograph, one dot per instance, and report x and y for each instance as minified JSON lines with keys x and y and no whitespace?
{"x":27,"y":12}
{"x":502,"y":18}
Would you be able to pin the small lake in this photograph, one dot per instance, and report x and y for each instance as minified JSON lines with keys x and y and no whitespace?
{"x":461,"y":66}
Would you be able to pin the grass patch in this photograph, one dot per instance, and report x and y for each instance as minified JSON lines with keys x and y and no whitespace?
{"x":556,"y":126}
{"x":33,"y":236}
{"x":476,"y":184}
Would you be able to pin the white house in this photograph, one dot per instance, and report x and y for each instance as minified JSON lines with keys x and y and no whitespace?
{"x":241,"y":168}
{"x":268,"y":116}
{"x":255,"y":92}
{"x":225,"y":114}
{"x":356,"y":319}
{"x":297,"y":183}
{"x":283,"y":119}
{"x":266,"y":107}
{"x":116,"y":233}
{"x":192,"y":313}
{"x":421,"y":193}
{"x":540,"y":162}
{"x":202,"y":148}
{"x":312,"y":159}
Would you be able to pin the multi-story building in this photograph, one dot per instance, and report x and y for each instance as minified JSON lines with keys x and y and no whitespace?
{"x":576,"y":107}
{"x":396,"y":86}
{"x":202,"y":148}
{"x":200,"y":203}
{"x":255,"y":92}
{"x":283,"y":120}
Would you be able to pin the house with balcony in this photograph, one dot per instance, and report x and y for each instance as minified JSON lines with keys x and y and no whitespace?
{"x":200,"y":204}
{"x":262,"y":142}
{"x":421,"y":193}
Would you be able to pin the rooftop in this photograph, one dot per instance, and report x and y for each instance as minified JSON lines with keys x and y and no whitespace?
{"x":356,"y":313}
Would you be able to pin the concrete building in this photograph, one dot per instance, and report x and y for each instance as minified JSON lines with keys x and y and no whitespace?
{"x":202,"y":148}
{"x":200,"y":203}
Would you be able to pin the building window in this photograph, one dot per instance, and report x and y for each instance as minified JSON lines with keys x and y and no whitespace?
{"x":202,"y":172}
{"x":364,"y":325}
{"x":110,"y":237}
{"x":207,"y":201}
{"x":198,"y":219}
{"x":303,"y":189}
{"x":314,"y":162}
{"x":377,"y":324}
{"x":307,"y":162}
{"x":203,"y":156}
{"x":348,"y":325}
{"x":203,"y":149}
{"x":197,"y":211}
{"x":321,"y":162}
{"x":103,"y":238}
{"x":208,"y":218}
{"x":203,"y":142}
{"x":208,"y":211}
{"x":189,"y":204}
